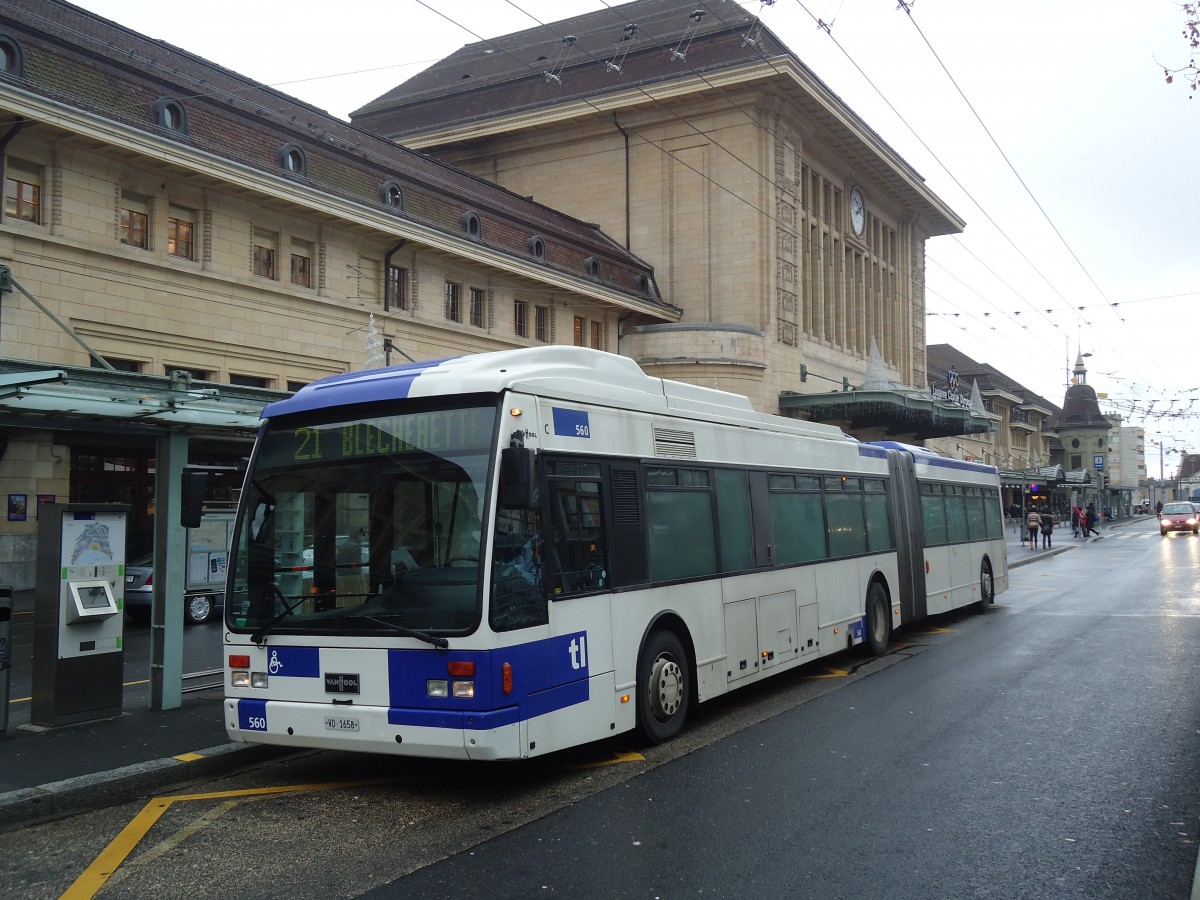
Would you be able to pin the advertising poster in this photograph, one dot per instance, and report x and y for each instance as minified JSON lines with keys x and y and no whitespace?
{"x":17,"y":507}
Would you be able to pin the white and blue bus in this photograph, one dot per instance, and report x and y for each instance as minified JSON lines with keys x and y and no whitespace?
{"x":501,"y":555}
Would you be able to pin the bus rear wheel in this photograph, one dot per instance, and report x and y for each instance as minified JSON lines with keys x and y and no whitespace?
{"x":879,"y":620}
{"x":987,"y":587}
{"x":663,"y":687}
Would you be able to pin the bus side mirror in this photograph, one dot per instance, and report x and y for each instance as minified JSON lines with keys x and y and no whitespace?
{"x":192,"y":490}
{"x":518,"y":486}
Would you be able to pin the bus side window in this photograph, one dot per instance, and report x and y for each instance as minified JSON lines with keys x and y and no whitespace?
{"x":518,"y":588}
{"x":577,"y":537}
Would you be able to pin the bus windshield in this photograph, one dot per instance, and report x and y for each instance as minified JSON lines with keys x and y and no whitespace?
{"x":364,"y":525}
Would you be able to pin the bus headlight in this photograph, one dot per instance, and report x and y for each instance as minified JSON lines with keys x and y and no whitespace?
{"x":464,"y":689}
{"x":437,"y":687}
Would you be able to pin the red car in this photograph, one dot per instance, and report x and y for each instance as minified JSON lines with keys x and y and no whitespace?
{"x":1179,"y":517}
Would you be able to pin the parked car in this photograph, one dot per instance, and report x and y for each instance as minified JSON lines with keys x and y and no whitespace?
{"x":198,"y":605}
{"x":1179,"y":516}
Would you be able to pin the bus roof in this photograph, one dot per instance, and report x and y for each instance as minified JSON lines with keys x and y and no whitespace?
{"x":576,"y":374}
{"x":925,"y":456}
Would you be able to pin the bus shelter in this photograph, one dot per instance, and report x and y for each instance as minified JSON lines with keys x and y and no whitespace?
{"x":1036,"y":487}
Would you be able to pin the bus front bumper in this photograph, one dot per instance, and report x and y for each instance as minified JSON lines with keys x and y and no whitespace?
{"x":372,"y":729}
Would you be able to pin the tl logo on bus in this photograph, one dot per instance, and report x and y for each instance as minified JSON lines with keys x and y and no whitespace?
{"x":578,"y":651}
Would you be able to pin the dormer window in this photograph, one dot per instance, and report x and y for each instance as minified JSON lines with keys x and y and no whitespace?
{"x":537,"y":248}
{"x":591,"y":266}
{"x":12,"y":61}
{"x":170,"y":114}
{"x":643,"y":285}
{"x":471,"y":224}
{"x":293,"y":160}
{"x":391,"y":195}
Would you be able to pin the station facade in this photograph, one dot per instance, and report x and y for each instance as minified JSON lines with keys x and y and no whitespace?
{"x":184,"y":244}
{"x":187,"y":244}
{"x":789,"y":234}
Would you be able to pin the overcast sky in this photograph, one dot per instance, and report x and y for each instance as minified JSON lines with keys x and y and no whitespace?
{"x":1046,"y":124}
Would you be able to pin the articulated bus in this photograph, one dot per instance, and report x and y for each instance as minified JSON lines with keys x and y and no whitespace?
{"x":502,"y":555}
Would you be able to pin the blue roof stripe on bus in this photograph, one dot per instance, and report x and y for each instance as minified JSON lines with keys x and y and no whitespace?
{"x":930,"y":458}
{"x":873,"y":452}
{"x":391,"y":383}
{"x":944,"y":463}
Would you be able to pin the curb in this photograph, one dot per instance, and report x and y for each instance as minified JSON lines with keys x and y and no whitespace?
{"x":27,"y":806}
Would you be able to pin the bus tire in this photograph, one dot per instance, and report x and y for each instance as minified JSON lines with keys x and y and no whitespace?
{"x":879,"y":620}
{"x":987,"y":586}
{"x":663,"y":687}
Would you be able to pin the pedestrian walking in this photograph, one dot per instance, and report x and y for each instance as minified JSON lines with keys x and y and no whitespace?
{"x":1047,"y":528}
{"x":1033,"y":521}
{"x":1074,"y":521}
{"x":1089,"y":521}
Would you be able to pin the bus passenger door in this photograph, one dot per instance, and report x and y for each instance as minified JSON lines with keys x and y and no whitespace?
{"x":770,"y":614}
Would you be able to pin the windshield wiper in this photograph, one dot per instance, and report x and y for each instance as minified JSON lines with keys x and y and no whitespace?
{"x":260,"y":636}
{"x":439,"y":642}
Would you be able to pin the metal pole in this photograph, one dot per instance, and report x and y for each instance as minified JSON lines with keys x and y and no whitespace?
{"x":170,"y":564}
{"x":6,"y":603}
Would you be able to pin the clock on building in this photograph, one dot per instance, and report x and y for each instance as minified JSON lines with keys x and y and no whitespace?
{"x":858,"y":211}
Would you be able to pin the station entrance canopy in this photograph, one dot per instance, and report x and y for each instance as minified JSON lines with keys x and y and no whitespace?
{"x":1050,"y":476}
{"x":70,"y":398}
{"x":85,"y":406}
{"x":900,"y":412}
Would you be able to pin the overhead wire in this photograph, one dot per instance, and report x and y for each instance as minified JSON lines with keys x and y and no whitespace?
{"x":915,"y":280}
{"x":906,"y":7}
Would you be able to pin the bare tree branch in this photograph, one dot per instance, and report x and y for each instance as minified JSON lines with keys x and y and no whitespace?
{"x":1188,"y":74}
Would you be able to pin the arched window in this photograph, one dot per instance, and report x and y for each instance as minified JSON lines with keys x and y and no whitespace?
{"x":170,"y":114}
{"x":471,"y":224}
{"x":391,"y":195}
{"x":537,"y":248}
{"x":591,"y":266}
{"x":12,"y":61}
{"x":293,"y":160}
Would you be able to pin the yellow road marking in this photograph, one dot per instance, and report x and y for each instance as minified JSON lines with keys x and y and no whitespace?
{"x":188,"y":757}
{"x":617,"y":758}
{"x":152,"y":854}
{"x":831,"y":672}
{"x":102,"y":868}
{"x":935,"y":631}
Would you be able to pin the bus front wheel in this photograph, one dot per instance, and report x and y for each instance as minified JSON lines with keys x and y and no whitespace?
{"x":663,"y":687}
{"x":879,"y":620}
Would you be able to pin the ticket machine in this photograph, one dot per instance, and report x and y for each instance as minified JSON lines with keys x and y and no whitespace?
{"x":78,"y":658}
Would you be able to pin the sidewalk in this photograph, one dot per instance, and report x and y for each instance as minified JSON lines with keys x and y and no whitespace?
{"x":51,"y":772}
{"x":1019,"y":553}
